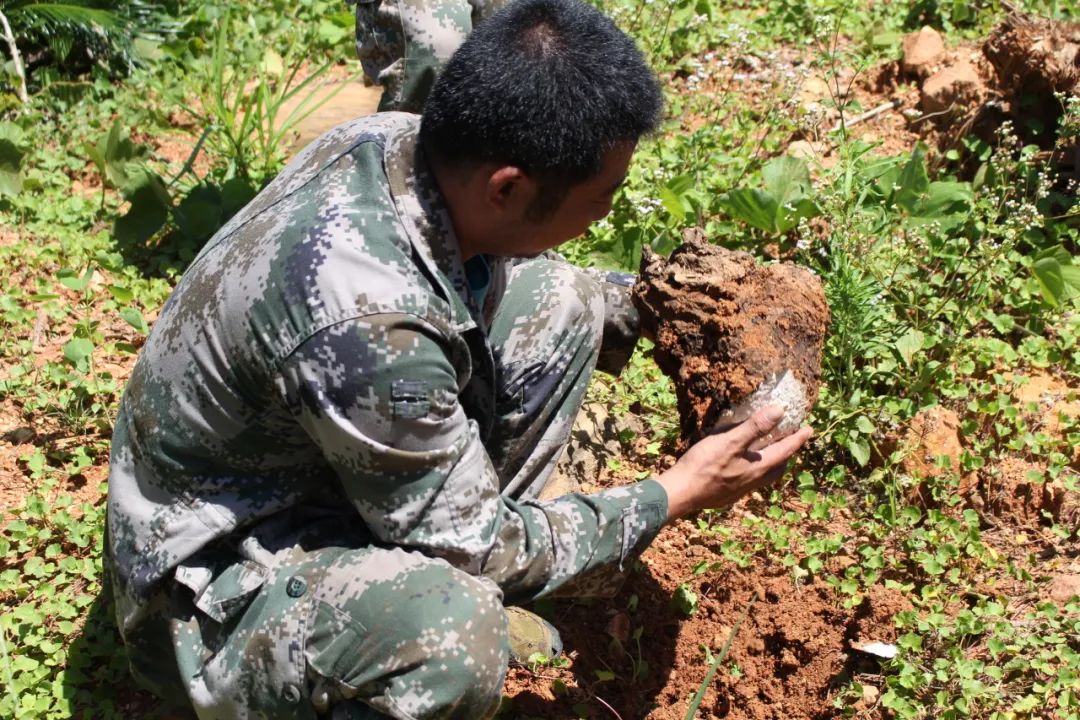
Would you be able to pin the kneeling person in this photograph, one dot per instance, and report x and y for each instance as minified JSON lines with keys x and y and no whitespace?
{"x":326,"y":462}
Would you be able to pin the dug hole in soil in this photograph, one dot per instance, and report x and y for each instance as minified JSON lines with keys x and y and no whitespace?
{"x":794,"y":650}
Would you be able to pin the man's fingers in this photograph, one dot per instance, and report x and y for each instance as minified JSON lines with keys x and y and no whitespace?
{"x":782,"y":449}
{"x":762,"y":480}
{"x":756,"y":426}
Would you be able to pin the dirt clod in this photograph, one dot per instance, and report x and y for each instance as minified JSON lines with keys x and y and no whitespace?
{"x":790,"y":648}
{"x":953,"y":86}
{"x":921,"y":50}
{"x":870,"y":696}
{"x":1034,"y":58}
{"x":932,"y":434}
{"x":1045,"y":400}
{"x":733,"y":335}
{"x":1064,"y":587}
{"x":1018,"y":490}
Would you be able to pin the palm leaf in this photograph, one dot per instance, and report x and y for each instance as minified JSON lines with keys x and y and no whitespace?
{"x":78,"y":18}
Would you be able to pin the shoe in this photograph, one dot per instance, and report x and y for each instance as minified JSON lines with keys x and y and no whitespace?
{"x":531,"y":634}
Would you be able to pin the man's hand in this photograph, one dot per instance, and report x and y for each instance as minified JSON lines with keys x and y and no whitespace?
{"x":721,"y":468}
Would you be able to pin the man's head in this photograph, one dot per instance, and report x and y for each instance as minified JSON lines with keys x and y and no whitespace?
{"x":532,"y":123}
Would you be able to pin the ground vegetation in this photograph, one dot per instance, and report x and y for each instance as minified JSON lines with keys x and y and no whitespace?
{"x":920,"y":559}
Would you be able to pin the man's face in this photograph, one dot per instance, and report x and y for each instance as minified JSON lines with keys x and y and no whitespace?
{"x":584,"y":204}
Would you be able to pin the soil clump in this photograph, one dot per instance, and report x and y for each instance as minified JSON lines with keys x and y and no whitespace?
{"x":1014,"y":74}
{"x":733,"y":335}
{"x":1019,"y":491}
{"x":922,"y":50}
{"x":1034,"y":58}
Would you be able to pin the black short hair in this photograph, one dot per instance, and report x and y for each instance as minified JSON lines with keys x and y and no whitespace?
{"x":545,"y":85}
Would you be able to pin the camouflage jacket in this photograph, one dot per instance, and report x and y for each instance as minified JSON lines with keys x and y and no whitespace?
{"x":264,"y":388}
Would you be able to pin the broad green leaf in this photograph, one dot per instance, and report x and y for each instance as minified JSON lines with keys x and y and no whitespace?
{"x":235,"y":194}
{"x":931,"y":565}
{"x":331,"y":33}
{"x":685,"y":600}
{"x":199,"y":214}
{"x":681,"y":184}
{"x":148,"y":213}
{"x":121,"y":293}
{"x":135,"y":319}
{"x":886,"y":39}
{"x":1027,"y":704}
{"x":913,"y":181}
{"x":754,"y":207}
{"x":119,"y":160}
{"x":1002,"y":323}
{"x":1070,"y":275}
{"x":673,"y":204}
{"x":71,"y":280}
{"x":947,"y":203}
{"x":787,"y":179}
{"x":860,"y":450}
{"x":910,"y":343}
{"x":272,"y":63}
{"x":148,"y":49}
{"x":78,"y":349}
{"x":790,"y":218}
{"x":1057,"y":252}
{"x":1047,"y":272}
{"x":886,"y":181}
{"x":865,"y":426}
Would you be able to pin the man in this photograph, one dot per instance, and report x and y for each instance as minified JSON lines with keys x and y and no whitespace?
{"x":402,"y":44}
{"x":326,"y":463}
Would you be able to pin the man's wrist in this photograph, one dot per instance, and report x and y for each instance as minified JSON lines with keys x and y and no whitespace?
{"x":679,"y":498}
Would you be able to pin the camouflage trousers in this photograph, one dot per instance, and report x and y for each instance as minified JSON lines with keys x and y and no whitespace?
{"x":303,"y":616}
{"x":402,"y":44}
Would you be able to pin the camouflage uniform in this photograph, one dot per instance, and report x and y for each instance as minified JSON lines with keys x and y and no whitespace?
{"x":402,"y":44}
{"x":325,"y":464}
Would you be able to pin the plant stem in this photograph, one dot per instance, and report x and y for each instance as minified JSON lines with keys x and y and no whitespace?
{"x":16,"y":59}
{"x":604,"y":702}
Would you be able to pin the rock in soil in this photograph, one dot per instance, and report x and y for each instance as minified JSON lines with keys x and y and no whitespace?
{"x":733,"y":335}
{"x":954,"y":86}
{"x":932,"y":448}
{"x":1017,"y":73}
{"x":1064,"y":587}
{"x":922,"y":50}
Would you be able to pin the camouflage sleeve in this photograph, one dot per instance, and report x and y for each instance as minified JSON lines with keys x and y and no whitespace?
{"x":622,"y":325}
{"x":378,"y":394}
{"x":403,"y":44}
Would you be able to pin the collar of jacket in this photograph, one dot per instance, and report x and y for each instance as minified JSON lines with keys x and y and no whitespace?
{"x":423,"y":212}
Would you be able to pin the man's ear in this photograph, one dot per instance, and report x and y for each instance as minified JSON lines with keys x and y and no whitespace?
{"x":507,"y":186}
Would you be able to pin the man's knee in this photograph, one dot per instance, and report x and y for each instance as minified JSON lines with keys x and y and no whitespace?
{"x":562,"y":293}
{"x":408,"y":635}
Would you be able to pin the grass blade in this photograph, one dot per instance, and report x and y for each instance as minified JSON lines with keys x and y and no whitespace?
{"x":700,"y":694}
